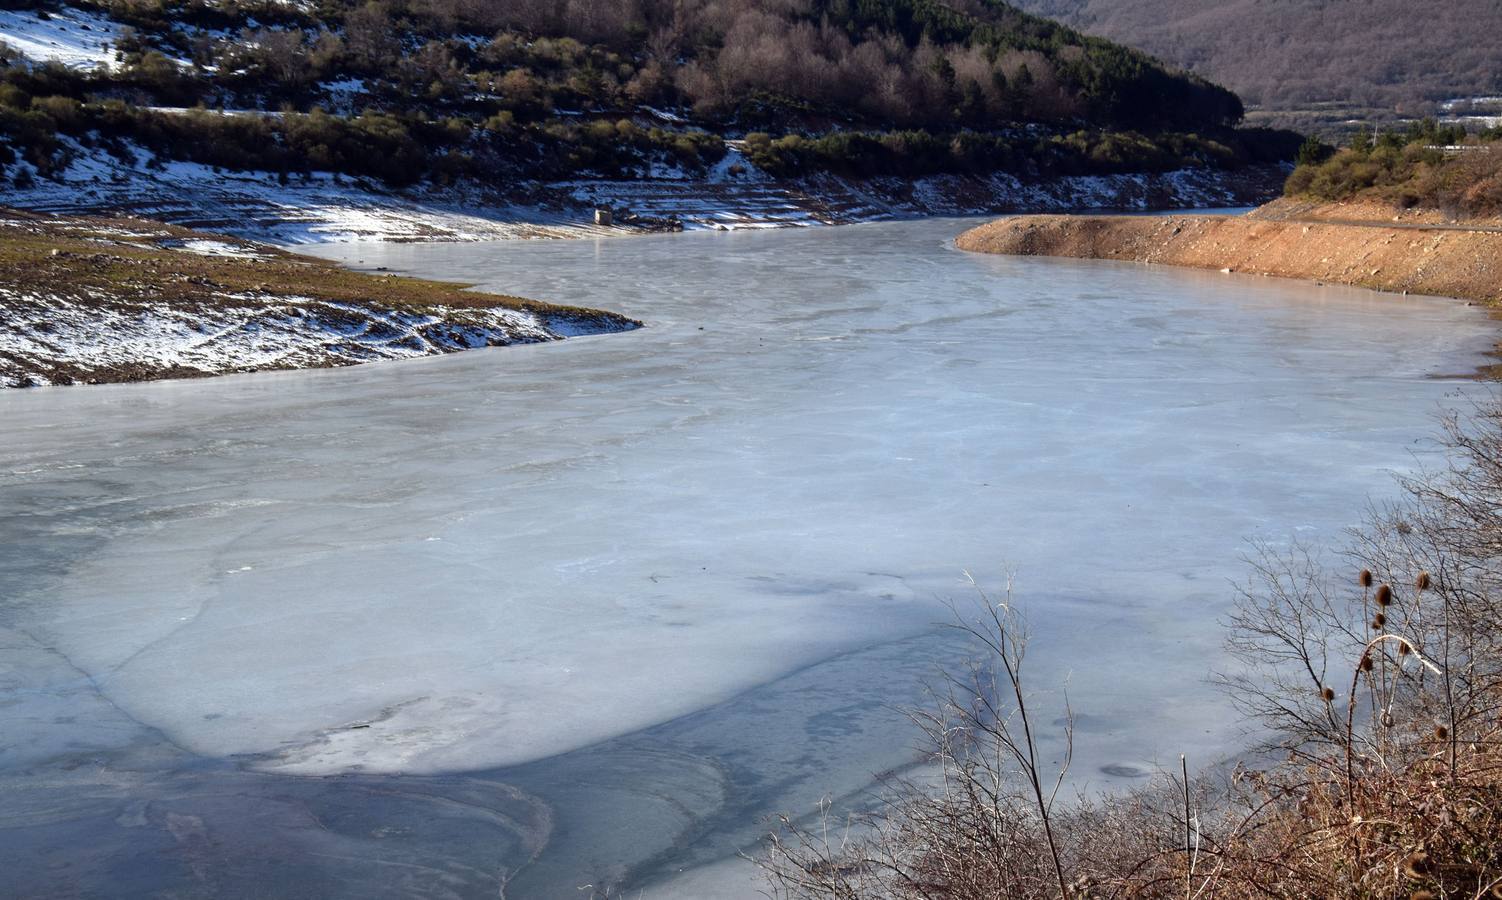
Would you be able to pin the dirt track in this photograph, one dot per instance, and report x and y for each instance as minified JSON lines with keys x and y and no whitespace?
{"x":1341,"y":245}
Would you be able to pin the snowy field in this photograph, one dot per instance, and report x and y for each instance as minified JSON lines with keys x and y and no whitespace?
{"x":243,"y":333}
{"x":73,"y":37}
{"x":584,"y":613}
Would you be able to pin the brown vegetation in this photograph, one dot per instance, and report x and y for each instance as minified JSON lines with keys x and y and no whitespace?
{"x":1382,"y":692}
{"x":908,"y":62}
{"x":1463,"y":181}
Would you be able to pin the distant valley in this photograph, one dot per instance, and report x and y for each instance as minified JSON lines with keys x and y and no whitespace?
{"x":1316,"y":65}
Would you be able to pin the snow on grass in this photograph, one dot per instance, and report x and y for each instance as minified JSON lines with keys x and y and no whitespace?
{"x":207,"y":247}
{"x":345,"y":86}
{"x":100,"y":300}
{"x":318,"y":209}
{"x":1474,"y":103}
{"x":184,"y":110}
{"x":665,"y":115}
{"x":734,"y":166}
{"x":41,"y":332}
{"x":75,"y":38}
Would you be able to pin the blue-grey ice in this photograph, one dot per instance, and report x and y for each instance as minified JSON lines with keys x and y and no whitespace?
{"x":704,"y":557}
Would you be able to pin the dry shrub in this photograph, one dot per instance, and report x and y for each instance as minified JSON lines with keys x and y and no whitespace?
{"x":1484,"y":198}
{"x":1379,"y":696}
{"x":1468,"y":185}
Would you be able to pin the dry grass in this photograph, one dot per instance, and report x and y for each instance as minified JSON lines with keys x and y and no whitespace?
{"x":1465,"y":185}
{"x":132,"y":259}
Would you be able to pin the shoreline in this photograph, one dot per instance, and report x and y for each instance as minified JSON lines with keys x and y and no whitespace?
{"x":1325,"y":244}
{"x":94,"y":300}
{"x":74,"y":317}
{"x":391,"y":461}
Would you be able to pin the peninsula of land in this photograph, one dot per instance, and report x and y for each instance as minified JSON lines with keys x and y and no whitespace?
{"x":91,"y":300}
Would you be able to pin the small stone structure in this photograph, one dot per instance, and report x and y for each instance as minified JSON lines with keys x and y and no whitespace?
{"x":603,"y":217}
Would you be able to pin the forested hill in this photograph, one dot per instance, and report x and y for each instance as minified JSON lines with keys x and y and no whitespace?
{"x":408,"y":90}
{"x":1383,"y":55}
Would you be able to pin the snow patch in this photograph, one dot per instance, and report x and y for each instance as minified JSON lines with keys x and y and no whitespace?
{"x":317,"y":209}
{"x":95,"y":334}
{"x":184,"y":110}
{"x":1473,"y":103}
{"x":207,"y":247}
{"x":77,"y":39}
{"x":1474,"y":121}
{"x":665,"y":115}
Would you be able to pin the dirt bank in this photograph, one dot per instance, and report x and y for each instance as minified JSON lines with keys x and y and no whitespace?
{"x":1355,"y":245}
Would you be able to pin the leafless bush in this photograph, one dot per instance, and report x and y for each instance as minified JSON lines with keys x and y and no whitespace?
{"x":987,"y":822}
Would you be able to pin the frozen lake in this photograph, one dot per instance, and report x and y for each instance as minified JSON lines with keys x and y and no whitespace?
{"x":585,"y":613}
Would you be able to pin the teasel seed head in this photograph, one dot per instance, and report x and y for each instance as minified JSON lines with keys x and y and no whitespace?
{"x":1403,"y":648}
{"x":1384,"y":595}
{"x":1379,"y":620}
{"x":1366,"y":663}
{"x":1416,"y":864}
{"x":1441,"y":732}
{"x":1328,"y":694}
{"x":1423,"y":581}
{"x":1365,"y":578}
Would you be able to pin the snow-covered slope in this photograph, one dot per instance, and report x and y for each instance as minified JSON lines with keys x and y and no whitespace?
{"x":321,"y":207}
{"x":97,"y":300}
{"x":44,"y":336}
{"x":73,"y":37}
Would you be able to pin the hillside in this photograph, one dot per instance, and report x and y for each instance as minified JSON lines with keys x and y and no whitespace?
{"x":1446,"y":177}
{"x":1312,"y":61}
{"x":517,"y":97}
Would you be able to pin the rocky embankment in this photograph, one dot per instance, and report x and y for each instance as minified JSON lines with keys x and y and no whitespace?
{"x":1360,"y":245}
{"x":93,"y":300}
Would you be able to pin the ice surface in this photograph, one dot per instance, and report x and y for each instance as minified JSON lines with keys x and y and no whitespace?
{"x":652,"y":586}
